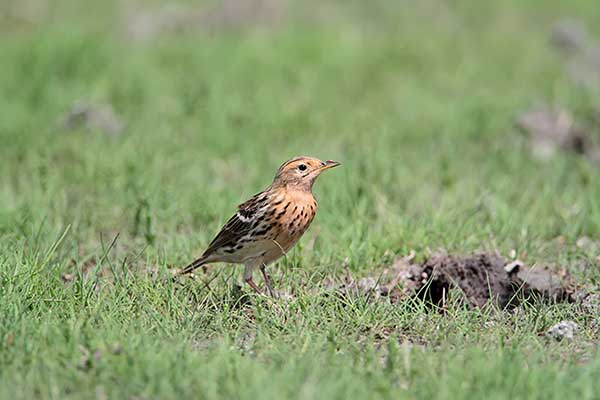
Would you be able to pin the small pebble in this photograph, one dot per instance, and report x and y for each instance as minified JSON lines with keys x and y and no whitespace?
{"x":562,"y":330}
{"x":513,"y":266}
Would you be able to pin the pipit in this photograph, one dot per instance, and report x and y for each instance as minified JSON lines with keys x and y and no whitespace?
{"x":270,"y":223}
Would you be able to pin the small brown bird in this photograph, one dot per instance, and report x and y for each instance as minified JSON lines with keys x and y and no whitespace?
{"x":270,"y":223}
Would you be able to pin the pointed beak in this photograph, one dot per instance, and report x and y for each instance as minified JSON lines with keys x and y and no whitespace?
{"x":328,"y":164}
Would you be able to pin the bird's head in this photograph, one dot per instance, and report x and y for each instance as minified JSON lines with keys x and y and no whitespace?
{"x":301,"y":172}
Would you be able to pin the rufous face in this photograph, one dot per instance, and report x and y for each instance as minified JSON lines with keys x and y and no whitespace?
{"x":302,"y":171}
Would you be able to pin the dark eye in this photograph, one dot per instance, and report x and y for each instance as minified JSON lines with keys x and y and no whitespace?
{"x":302,"y":167}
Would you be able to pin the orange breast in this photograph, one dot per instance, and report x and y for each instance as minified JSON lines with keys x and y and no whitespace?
{"x":292,"y":219}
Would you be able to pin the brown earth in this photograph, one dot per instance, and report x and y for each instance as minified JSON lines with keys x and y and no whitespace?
{"x":477,"y":279}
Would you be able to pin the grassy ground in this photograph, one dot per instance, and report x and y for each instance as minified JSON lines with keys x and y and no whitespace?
{"x":417,"y":101}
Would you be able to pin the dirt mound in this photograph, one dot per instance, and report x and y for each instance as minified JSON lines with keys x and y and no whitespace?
{"x":480,"y":277}
{"x":551,"y":130}
{"x":579,"y":50}
{"x":477,"y":279}
{"x":92,"y":117}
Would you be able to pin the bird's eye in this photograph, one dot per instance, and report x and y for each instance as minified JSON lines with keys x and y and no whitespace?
{"x":302,"y":167}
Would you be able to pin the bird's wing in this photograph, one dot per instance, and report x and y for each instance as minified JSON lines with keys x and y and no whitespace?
{"x":248,"y":216}
{"x":240,"y":224}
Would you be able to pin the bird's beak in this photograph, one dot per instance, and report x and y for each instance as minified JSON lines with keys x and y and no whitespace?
{"x":328,"y":164}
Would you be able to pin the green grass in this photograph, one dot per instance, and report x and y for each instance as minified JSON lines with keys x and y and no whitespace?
{"x":417,"y":101}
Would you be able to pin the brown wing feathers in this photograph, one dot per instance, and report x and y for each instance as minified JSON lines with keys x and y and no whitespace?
{"x":237,"y":227}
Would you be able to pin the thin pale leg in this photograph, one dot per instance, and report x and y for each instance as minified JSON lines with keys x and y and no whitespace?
{"x":248,"y":278}
{"x":267,"y":281}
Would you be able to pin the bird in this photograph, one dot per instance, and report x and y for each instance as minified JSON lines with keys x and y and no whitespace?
{"x":267,"y":226}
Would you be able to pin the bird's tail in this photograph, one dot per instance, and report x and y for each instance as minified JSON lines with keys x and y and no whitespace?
{"x":193,"y":265}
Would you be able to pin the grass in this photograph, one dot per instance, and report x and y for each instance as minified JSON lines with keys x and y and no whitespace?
{"x":417,"y":101}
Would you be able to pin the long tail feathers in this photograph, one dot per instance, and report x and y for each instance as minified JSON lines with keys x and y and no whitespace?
{"x":195,"y":264}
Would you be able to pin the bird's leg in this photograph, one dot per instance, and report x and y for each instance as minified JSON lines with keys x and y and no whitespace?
{"x":248,"y":279}
{"x":267,"y":281}
{"x":253,"y":285}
